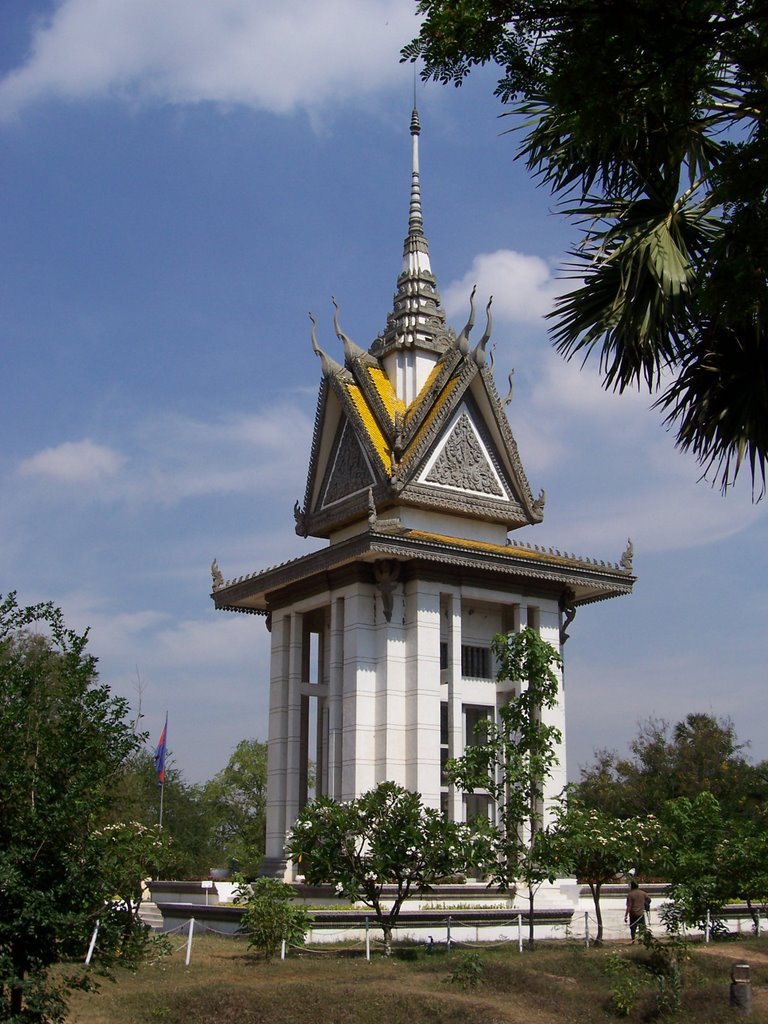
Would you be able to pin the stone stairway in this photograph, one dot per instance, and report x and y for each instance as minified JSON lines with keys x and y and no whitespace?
{"x":151,"y":915}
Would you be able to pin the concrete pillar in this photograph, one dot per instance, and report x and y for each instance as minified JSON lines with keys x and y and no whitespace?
{"x":295,"y":726}
{"x":390,"y":692}
{"x":359,"y":708}
{"x":423,"y":690}
{"x":455,"y":713}
{"x":335,"y":698}
{"x":277,"y":750}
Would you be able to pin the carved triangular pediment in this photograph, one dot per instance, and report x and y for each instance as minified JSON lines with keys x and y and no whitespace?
{"x":464,"y":460}
{"x":349,"y":471}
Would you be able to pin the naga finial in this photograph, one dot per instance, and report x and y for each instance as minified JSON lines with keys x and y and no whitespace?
{"x":510,"y":393}
{"x":218,"y":579}
{"x":329,"y":365}
{"x":479,"y":353}
{"x":300,"y":517}
{"x":462,"y":342}
{"x":351,"y":350}
{"x":626,"y":559}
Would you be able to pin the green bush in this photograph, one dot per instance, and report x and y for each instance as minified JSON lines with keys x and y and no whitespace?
{"x":270,"y":917}
{"x":626,"y":986}
{"x":468,"y":971}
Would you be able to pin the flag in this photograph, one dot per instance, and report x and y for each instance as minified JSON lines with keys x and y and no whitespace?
{"x":160,"y":754}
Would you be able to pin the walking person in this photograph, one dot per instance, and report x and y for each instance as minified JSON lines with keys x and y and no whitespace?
{"x":638,"y":901}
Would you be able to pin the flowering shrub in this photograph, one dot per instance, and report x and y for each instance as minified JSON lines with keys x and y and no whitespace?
{"x":596,"y":847}
{"x":383,"y":838}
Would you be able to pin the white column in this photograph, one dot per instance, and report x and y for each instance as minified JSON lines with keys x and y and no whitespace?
{"x":359,"y":704}
{"x":277,"y":749}
{"x":549,"y":628}
{"x":423,"y":690}
{"x":294,"y":721}
{"x":455,"y":709}
{"x":335,"y":698}
{"x":390,"y":692}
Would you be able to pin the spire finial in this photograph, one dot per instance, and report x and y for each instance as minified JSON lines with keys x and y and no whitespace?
{"x":415,"y":222}
{"x":418,"y":319}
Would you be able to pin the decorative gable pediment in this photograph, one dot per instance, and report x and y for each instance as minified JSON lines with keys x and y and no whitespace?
{"x":349,"y":471}
{"x":463,"y":461}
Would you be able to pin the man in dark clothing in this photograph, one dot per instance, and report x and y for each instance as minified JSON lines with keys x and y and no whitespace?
{"x":638,"y":902}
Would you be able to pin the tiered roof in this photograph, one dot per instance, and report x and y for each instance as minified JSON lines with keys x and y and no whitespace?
{"x":415,"y":423}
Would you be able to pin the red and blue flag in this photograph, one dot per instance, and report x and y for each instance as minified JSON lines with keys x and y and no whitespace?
{"x":160,"y":754}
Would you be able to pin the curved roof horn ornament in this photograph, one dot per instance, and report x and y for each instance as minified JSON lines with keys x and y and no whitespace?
{"x":510,"y":393}
{"x":351,"y":350}
{"x":479,"y":353}
{"x":329,"y":366}
{"x":462,"y":342}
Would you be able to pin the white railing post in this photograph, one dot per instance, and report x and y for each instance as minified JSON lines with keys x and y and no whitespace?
{"x":92,"y":946}
{"x":189,"y":941}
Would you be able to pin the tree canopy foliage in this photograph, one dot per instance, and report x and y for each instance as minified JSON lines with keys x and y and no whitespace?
{"x":236,"y":799}
{"x":221,"y":823}
{"x":190,"y":848}
{"x":597,"y":847}
{"x":65,"y":739}
{"x":385,"y":839}
{"x":647,"y":120}
{"x":699,"y":754}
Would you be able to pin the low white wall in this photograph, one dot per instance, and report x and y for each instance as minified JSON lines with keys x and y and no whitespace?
{"x":562,"y":910}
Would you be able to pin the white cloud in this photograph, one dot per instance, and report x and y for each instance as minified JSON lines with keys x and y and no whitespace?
{"x":74,"y":462}
{"x":523,"y":287}
{"x":274,"y":55}
{"x":173,"y":458}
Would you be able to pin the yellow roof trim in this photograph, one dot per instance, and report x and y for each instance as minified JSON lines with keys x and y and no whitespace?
{"x":431,"y":416}
{"x":425,"y":388}
{"x":386,"y":392}
{"x":371,"y":426}
{"x":500,"y":549}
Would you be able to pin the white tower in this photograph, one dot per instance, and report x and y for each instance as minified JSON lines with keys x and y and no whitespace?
{"x":380,"y":662}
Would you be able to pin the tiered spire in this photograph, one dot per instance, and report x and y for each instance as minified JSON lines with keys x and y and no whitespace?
{"x":417,"y":322}
{"x":415,"y":248}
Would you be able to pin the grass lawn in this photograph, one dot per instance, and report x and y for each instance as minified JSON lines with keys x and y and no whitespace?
{"x":556,"y":983}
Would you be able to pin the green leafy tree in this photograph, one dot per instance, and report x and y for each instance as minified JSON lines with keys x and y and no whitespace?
{"x":711,"y":859}
{"x":271,"y":917}
{"x":596,"y":847}
{"x":742,"y":856}
{"x":693,"y":831}
{"x":65,"y":739}
{"x":647,"y":119}
{"x":380,"y":848}
{"x":516,"y":757}
{"x":190,"y":846}
{"x":699,"y":754}
{"x":122,"y":853}
{"x":236,"y":799}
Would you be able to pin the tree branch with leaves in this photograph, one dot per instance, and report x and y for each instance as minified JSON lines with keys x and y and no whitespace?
{"x":515,"y":756}
{"x":647,"y":121}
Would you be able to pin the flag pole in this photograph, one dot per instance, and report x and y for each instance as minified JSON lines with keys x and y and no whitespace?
{"x":160,"y":764}
{"x":162,"y":794}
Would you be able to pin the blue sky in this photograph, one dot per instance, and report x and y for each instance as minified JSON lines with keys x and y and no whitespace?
{"x":180,"y":185}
